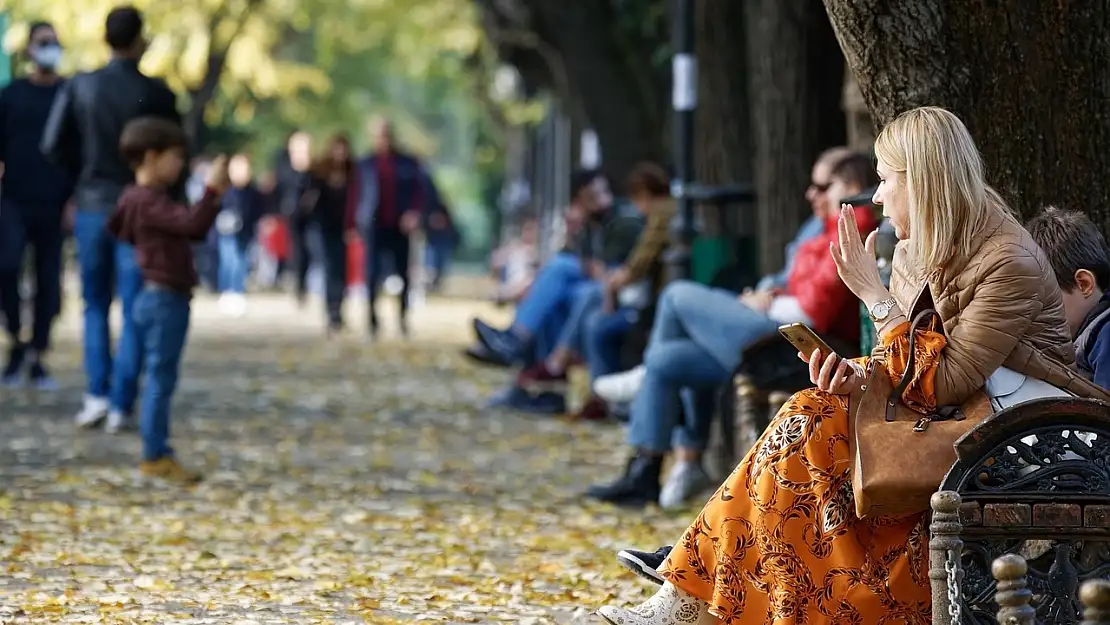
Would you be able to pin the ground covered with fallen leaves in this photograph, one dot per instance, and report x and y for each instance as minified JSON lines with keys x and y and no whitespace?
{"x":346,"y":483}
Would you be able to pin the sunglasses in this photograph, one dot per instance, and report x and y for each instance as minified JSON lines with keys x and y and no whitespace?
{"x":820,"y":188}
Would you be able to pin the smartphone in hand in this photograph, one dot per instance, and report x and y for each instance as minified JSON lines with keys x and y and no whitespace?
{"x":805,"y":339}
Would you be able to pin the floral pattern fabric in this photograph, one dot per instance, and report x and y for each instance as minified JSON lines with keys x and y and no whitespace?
{"x":780,"y":543}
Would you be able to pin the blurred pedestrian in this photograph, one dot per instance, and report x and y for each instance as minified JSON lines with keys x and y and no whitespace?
{"x":327,"y":200}
{"x":291,"y":168}
{"x":31,"y":208}
{"x":241,"y":209}
{"x":391,"y":204}
{"x":83,"y":134}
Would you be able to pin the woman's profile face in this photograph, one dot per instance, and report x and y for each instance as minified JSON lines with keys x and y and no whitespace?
{"x":891,"y":195}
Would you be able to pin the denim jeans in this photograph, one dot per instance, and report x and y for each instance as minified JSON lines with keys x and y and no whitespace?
{"x":604,"y":336}
{"x":585,"y":303}
{"x":551,"y":291}
{"x":103,"y":260}
{"x":40,"y":229}
{"x":696,"y":343}
{"x":162,"y":317}
{"x":437,"y":257}
{"x":233,"y":264}
{"x":714,"y":319}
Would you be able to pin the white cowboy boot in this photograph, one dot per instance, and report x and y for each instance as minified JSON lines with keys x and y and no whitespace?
{"x":669,"y":606}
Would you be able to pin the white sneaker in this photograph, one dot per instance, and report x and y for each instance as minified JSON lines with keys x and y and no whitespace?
{"x":685,"y":480}
{"x":116,"y":422}
{"x":669,"y":606}
{"x":620,"y":388}
{"x":233,"y":304}
{"x":94,"y":410}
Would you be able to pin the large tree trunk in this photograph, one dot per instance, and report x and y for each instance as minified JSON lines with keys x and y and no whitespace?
{"x":796,"y":77}
{"x":1028,"y":78}
{"x":723,"y":143}
{"x":722,"y":133}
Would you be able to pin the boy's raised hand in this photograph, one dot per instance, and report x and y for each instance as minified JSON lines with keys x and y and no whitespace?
{"x":218,"y":178}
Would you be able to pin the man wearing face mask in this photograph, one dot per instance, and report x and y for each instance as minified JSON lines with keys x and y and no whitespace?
{"x":83,"y":134}
{"x":31,"y":205}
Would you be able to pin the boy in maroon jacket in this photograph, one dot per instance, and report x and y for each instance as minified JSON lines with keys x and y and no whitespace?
{"x":162,"y":232}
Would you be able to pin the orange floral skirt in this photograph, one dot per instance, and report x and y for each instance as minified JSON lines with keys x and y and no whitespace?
{"x":780,"y":543}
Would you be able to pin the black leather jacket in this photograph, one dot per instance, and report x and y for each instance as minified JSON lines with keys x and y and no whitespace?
{"x":83,"y":130}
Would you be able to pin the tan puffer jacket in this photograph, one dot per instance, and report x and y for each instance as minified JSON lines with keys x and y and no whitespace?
{"x":1002,"y":308}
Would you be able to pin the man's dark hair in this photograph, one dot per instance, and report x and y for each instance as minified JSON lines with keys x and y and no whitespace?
{"x":123,"y":28}
{"x":855,"y":168}
{"x":581,"y":179}
{"x":1071,"y":241}
{"x":648,"y":178}
{"x":149,"y":134}
{"x":36,"y":27}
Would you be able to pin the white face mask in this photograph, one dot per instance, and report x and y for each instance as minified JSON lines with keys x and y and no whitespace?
{"x":46,"y":57}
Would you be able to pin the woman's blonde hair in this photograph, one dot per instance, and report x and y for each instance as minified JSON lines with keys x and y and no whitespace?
{"x":948,"y":197}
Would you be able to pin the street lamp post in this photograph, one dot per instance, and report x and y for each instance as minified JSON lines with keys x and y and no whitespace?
{"x":684,"y":101}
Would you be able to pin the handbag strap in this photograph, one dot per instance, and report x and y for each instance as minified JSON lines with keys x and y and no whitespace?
{"x":907,"y":376}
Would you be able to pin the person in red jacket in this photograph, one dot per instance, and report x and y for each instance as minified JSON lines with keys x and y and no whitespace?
{"x":814,"y":287}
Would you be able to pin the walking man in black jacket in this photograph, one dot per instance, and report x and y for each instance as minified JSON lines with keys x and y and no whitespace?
{"x":82,"y":134}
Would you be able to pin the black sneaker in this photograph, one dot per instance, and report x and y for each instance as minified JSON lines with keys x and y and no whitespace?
{"x":505,"y":345}
{"x":645,"y":564}
{"x":16,"y":357}
{"x":481,"y":354}
{"x":637,"y":487}
{"x":40,"y":378}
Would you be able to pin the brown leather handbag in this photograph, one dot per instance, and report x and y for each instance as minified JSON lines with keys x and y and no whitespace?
{"x":900,"y":455}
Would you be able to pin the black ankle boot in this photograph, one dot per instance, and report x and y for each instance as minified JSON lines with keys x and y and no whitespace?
{"x":637,"y":487}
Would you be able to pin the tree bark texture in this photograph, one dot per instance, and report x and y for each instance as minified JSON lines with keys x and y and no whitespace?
{"x":795,"y":80}
{"x":723,"y":144}
{"x":723,"y":130}
{"x":1029,"y":79}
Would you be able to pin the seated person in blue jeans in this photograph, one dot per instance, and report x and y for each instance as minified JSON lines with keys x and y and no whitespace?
{"x":698,"y":339}
{"x":621,"y":388}
{"x":603,"y":314}
{"x":163,"y":232}
{"x":1077,"y":252}
{"x":571,"y":273}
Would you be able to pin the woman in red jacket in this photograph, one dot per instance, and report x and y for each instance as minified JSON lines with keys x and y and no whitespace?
{"x":814,"y":287}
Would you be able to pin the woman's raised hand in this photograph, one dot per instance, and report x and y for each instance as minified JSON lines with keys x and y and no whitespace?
{"x":855,"y":258}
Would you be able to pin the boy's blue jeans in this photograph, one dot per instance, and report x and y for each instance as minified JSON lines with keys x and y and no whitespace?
{"x":106,"y":263}
{"x":162,"y":317}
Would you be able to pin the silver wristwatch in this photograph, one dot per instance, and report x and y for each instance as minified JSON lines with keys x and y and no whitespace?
{"x":880,"y":311}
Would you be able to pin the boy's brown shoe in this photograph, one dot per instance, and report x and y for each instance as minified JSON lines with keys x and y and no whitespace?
{"x":166,"y":468}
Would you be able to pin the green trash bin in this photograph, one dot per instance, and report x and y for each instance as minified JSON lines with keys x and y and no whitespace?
{"x":708,"y":256}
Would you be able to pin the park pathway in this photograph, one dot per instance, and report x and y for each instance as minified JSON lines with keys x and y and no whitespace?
{"x":346,"y":483}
